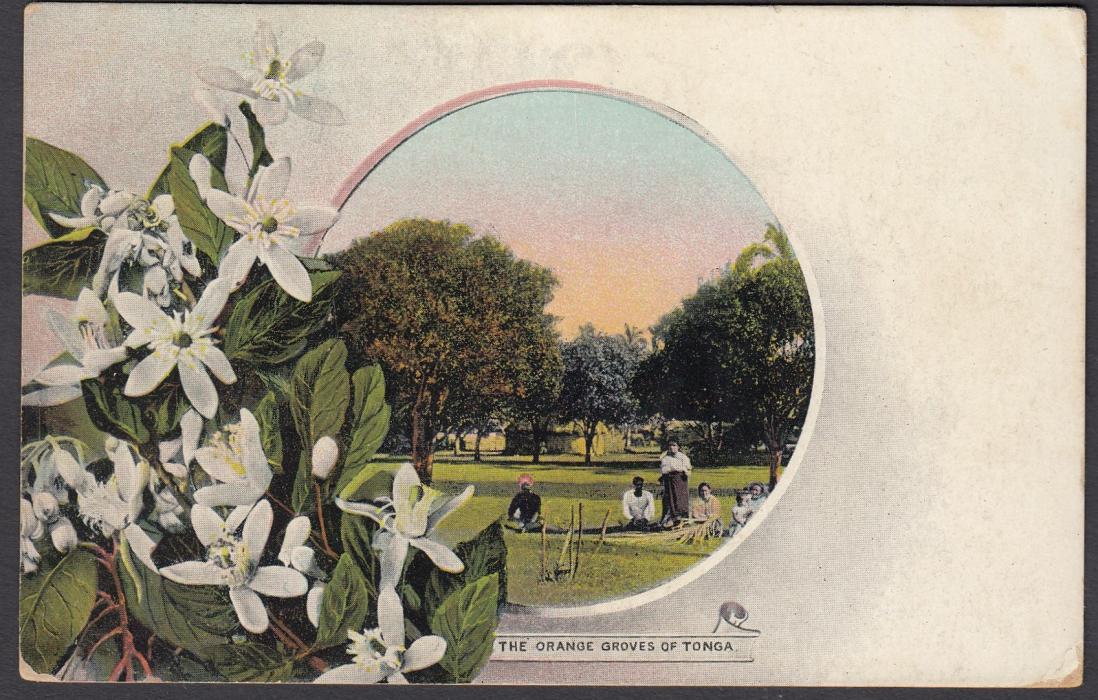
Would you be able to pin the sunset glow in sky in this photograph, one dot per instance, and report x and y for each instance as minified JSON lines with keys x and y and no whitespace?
{"x":628,"y":208}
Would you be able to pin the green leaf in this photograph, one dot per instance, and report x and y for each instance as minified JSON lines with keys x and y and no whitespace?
{"x":208,"y":233}
{"x":268,"y":326}
{"x":319,"y":394}
{"x":467,"y":621}
{"x":55,"y":181}
{"x":193,"y":617}
{"x":355,"y":533}
{"x":370,"y":422}
{"x":211,"y":140}
{"x":484,"y":555}
{"x":166,"y":408}
{"x":112,"y":412}
{"x":260,"y":155}
{"x":346,"y":601}
{"x":250,"y":662}
{"x":54,"y":605}
{"x":270,"y":430}
{"x":63,"y":266}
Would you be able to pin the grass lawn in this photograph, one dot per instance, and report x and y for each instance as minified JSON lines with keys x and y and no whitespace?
{"x":621,"y":566}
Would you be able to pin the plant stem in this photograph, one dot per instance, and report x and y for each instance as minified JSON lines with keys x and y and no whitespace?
{"x":320,"y":517}
{"x":326,"y":550}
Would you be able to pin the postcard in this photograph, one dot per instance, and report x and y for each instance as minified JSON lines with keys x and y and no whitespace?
{"x":552,"y":345}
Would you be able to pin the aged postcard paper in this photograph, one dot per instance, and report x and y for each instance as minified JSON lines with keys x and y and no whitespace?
{"x":555,"y":345}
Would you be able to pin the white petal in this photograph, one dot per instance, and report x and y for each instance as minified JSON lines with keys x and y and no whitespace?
{"x":201,"y":171}
{"x":367,"y":509}
{"x":207,"y":525}
{"x":90,"y":201}
{"x":288,"y":271}
{"x":279,"y":582}
{"x":66,"y":332}
{"x":215,"y":109}
{"x":126,"y":472}
{"x":238,"y":262}
{"x":150,"y":372}
{"x":256,"y":530}
{"x":304,"y":560}
{"x":213,"y":358}
{"x":265,"y":45}
{"x":240,"y":494}
{"x":449,"y":507}
{"x":396,"y":678}
{"x":63,"y":535}
{"x":270,"y":112}
{"x":237,"y":517}
{"x":197,"y":385}
{"x":350,"y":674}
{"x":440,"y":554}
{"x":176,"y":469}
{"x":229,"y":208}
{"x":317,"y":110}
{"x":51,"y":396}
{"x":209,"y":307}
{"x":62,"y":375}
{"x":211,"y":463}
{"x":95,"y":361}
{"x":257,"y":468}
{"x":90,"y":308}
{"x":73,"y":222}
{"x":312,"y":219}
{"x":392,"y":561}
{"x":305,"y":60}
{"x":73,"y":474}
{"x":390,"y":616}
{"x":140,"y":544}
{"x":164,"y":205}
{"x":191,"y":425}
{"x":424,"y":652}
{"x":271,"y":181}
{"x":313,"y":601}
{"x":405,"y":484}
{"x":195,"y":573}
{"x":225,"y":78}
{"x":324,"y":457}
{"x":142,"y":314}
{"x":249,"y":609}
{"x":115,"y":203}
{"x":297,"y":534}
{"x":168,"y":449}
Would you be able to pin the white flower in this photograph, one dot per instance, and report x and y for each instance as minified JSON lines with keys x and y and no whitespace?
{"x":270,"y":78}
{"x":30,"y":529}
{"x":84,"y":336}
{"x":47,"y":510}
{"x":235,"y":458}
{"x":178,"y":343}
{"x":313,"y":601}
{"x":380,"y":655}
{"x":232,"y":560}
{"x":114,"y":505}
{"x":271,"y":228}
{"x":98,"y":207}
{"x":295,"y":553}
{"x":176,"y":454}
{"x":410,"y":517}
{"x":166,"y":508}
{"x":325,"y":455}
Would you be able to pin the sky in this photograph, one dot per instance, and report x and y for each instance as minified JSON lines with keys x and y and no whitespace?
{"x":628,"y":208}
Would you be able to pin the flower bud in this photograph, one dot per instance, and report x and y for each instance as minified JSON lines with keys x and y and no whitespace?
{"x":325,"y":454}
{"x":313,"y":601}
{"x":45,"y":506}
{"x":63,"y":535}
{"x":304,"y":560}
{"x":29,"y":525}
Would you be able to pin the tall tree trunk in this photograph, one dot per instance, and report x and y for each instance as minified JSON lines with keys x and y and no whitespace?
{"x":775,"y":462}
{"x":588,"y":439}
{"x":537,"y":436}
{"x":627,"y":439}
{"x":476,"y":446}
{"x":423,"y":439}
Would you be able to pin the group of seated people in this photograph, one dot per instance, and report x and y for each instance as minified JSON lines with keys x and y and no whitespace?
{"x":639,"y":508}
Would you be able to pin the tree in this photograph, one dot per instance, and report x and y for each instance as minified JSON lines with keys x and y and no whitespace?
{"x":455,"y":320}
{"x":596,"y":387}
{"x":739,"y":353}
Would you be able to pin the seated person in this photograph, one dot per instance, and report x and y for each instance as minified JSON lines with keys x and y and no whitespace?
{"x":758,"y":494}
{"x":741,"y":512}
{"x":525,"y":509}
{"x":706,"y":507}
{"x":638,"y":506}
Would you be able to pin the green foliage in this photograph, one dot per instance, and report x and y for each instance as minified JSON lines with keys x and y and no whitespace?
{"x":347,"y":601}
{"x":270,"y":430}
{"x":195,"y":618}
{"x":250,"y":662}
{"x":113,"y":412}
{"x":356,"y":534}
{"x":369,"y":424}
{"x":55,"y":181}
{"x":484,"y":555}
{"x":260,"y":155}
{"x":61,"y":267}
{"x":54,"y":605}
{"x":454,"y":319}
{"x":209,"y":234}
{"x":268,"y":326}
{"x":319,"y":395}
{"x":467,"y":621}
